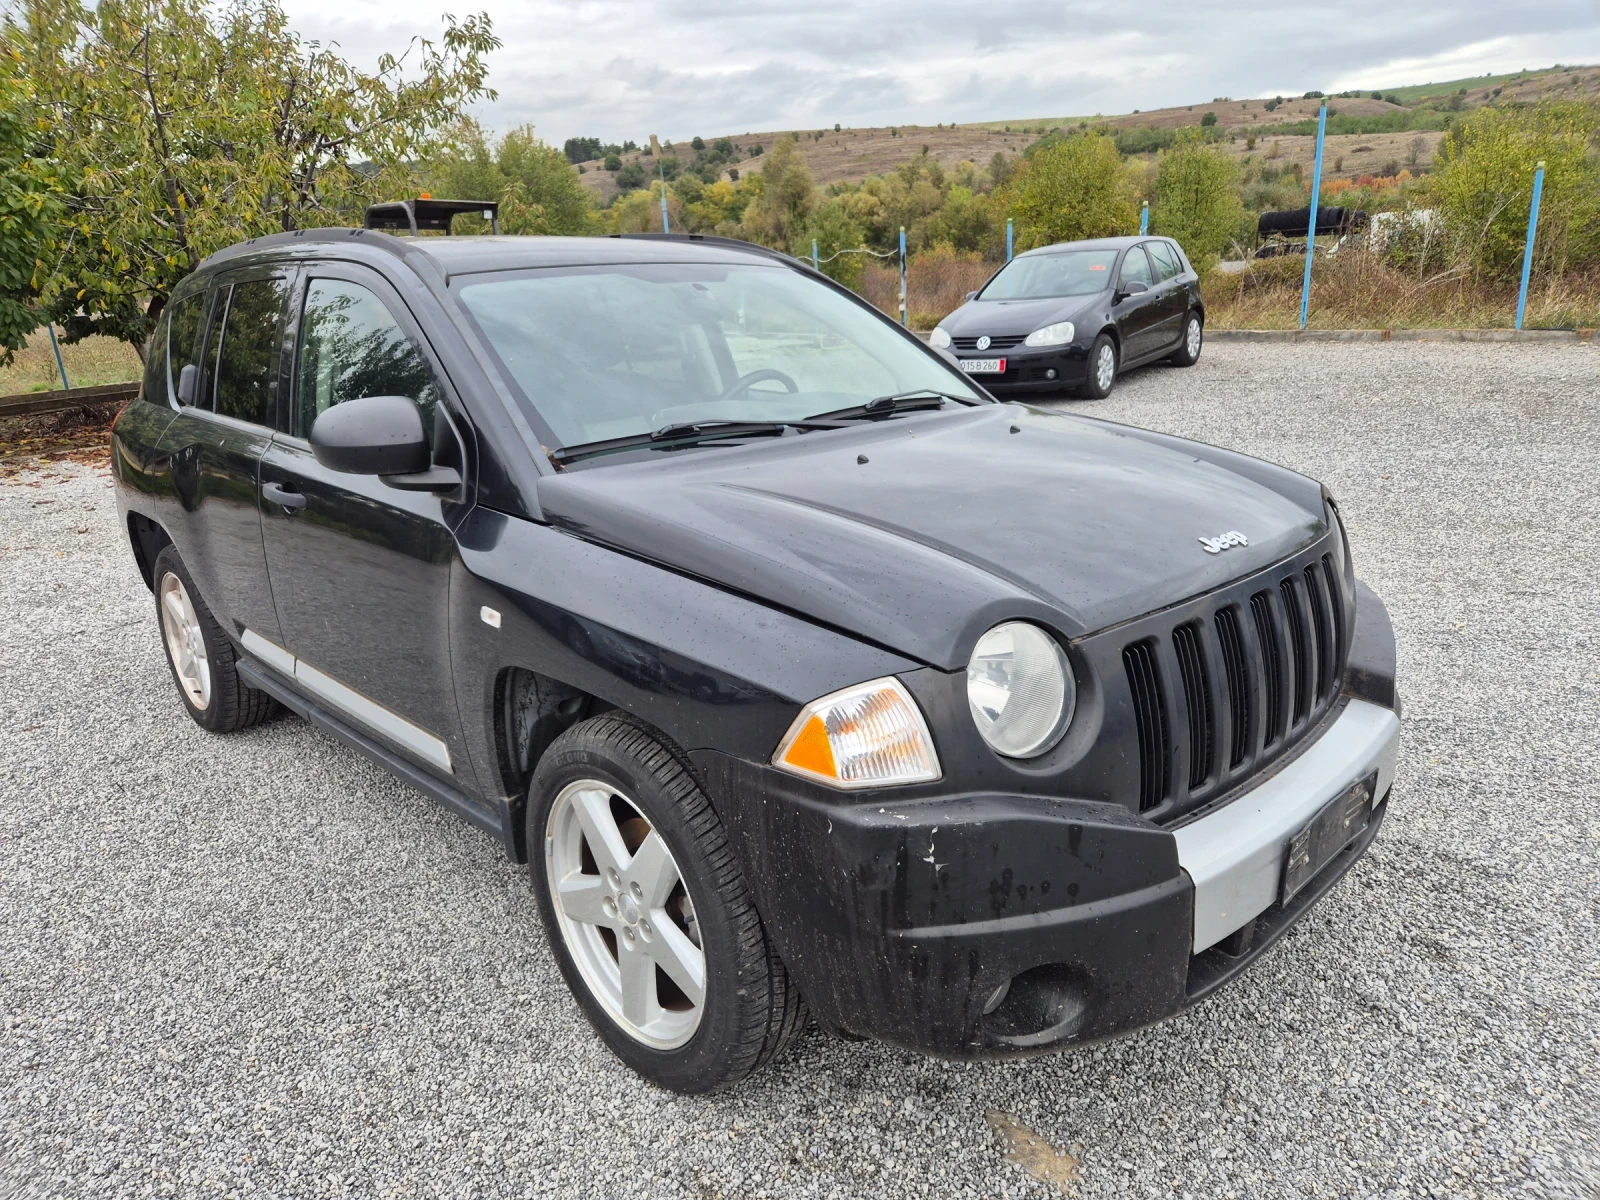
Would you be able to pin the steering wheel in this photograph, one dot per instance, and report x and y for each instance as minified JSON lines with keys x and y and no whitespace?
{"x":745,"y":382}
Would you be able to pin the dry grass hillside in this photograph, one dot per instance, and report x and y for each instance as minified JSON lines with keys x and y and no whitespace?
{"x":853,"y":154}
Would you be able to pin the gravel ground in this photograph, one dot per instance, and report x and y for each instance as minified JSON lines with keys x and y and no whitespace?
{"x":259,"y":967}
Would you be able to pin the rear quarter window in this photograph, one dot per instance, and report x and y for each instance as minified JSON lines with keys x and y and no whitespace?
{"x":185,"y":323}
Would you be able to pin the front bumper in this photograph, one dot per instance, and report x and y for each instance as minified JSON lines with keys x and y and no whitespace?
{"x":1028,"y":370}
{"x":991,"y":925}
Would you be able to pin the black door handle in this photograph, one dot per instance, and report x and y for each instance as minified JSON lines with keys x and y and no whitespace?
{"x":283,"y":494}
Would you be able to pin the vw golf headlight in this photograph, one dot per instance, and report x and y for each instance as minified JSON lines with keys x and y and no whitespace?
{"x":939,"y":339}
{"x":1058,"y":334}
{"x":1020,"y":689}
{"x":870,"y":735}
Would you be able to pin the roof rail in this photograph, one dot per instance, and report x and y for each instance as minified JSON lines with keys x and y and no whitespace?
{"x":711,"y":239}
{"x":427,"y":213}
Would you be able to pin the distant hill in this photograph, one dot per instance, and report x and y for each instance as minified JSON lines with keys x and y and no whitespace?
{"x":1366,"y":135}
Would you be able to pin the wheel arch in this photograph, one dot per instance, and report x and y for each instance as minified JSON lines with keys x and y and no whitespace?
{"x":147,"y":538}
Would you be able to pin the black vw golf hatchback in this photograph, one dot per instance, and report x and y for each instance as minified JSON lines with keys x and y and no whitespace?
{"x":810,"y":681}
{"x":1073,"y":316}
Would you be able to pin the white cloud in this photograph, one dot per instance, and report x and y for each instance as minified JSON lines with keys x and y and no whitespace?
{"x":628,"y":68}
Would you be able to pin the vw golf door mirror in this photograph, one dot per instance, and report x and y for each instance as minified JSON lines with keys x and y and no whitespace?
{"x":372,"y":435}
{"x":1130,"y":287}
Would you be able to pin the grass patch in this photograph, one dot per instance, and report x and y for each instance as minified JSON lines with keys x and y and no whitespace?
{"x":91,"y":362}
{"x":1354,"y":290}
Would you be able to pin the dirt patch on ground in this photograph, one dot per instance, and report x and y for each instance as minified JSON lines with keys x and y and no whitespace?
{"x":80,"y":435}
{"x":1032,"y":1153}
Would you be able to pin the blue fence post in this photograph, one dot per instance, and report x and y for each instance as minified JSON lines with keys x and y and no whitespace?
{"x":62,"y":367}
{"x":1008,"y":239}
{"x":1311,"y":225}
{"x":1527,"y":253}
{"x":1144,"y":219}
{"x":815,"y":265}
{"x":903,"y":321}
{"x":665,"y":228}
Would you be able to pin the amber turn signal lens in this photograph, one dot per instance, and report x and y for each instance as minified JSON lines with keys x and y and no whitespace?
{"x":870,"y":735}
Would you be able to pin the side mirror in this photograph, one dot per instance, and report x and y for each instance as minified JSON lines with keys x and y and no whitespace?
{"x":1131,"y":287}
{"x":372,"y":435}
{"x":972,"y":295}
{"x":188,"y":385}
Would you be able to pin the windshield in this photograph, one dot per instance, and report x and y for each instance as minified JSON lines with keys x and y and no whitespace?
{"x":612,"y":351}
{"x":1037,"y":276}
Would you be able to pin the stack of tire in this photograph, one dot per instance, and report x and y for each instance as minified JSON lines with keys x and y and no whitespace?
{"x":1274,"y":227}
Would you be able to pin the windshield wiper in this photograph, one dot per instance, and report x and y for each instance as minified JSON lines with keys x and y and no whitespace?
{"x":899,"y":402}
{"x":687,"y":433}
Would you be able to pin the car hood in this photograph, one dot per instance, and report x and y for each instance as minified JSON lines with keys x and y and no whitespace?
{"x":977,"y":317}
{"x":921,"y":532}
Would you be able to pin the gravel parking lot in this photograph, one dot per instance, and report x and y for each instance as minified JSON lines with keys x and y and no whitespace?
{"x":257,"y":966}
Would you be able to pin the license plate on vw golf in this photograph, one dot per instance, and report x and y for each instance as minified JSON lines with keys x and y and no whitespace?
{"x":984,"y":366}
{"x":1316,"y":843}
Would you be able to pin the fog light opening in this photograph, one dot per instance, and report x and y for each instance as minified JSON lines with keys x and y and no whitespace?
{"x":1039,"y":1006}
{"x":1050,"y":373}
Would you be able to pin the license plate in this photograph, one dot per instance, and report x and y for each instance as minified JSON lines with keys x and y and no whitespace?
{"x":984,"y":366}
{"x":1338,"y":824}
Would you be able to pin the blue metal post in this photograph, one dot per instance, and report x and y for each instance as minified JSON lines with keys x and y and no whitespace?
{"x":903,"y":321}
{"x":815,"y":265}
{"x":1311,"y":226}
{"x":67,"y":387}
{"x":1527,"y":253}
{"x":665,"y":228}
{"x":1008,"y":239}
{"x":1144,"y":219}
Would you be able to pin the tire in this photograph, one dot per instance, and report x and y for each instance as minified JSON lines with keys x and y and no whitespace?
{"x":200,"y":656}
{"x":1101,"y":374}
{"x":651,"y":891}
{"x":1188,"y":353}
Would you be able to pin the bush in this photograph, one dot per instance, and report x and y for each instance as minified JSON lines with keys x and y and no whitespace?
{"x":613,"y":162}
{"x":698,"y":143}
{"x":581,"y":149}
{"x":1209,"y":119}
{"x":1483,"y":184}
{"x":630,"y":177}
{"x":1073,"y":190}
{"x":1195,"y":202}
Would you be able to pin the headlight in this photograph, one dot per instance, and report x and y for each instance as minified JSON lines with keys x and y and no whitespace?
{"x":1058,"y":334}
{"x":1020,"y":689}
{"x":870,"y":735}
{"x":939,"y":339}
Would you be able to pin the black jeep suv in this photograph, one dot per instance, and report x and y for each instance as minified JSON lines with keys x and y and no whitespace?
{"x":1075,"y":315}
{"x":792,"y":663}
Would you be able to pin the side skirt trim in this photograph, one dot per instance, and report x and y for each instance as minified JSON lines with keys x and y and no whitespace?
{"x":351,"y":702}
{"x":457,"y":802}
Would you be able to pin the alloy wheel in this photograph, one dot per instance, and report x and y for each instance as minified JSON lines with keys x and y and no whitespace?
{"x":624,"y":913}
{"x":1105,"y":367}
{"x":186,"y":643}
{"x":1192,"y":338}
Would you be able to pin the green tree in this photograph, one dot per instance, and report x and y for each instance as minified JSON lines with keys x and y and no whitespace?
{"x":630,"y":177}
{"x":1196,"y":201}
{"x":29,"y":203}
{"x":778,"y":216}
{"x":1074,"y":189}
{"x":1483,"y":184}
{"x":835,"y":229}
{"x":180,"y":128}
{"x":968,"y":221}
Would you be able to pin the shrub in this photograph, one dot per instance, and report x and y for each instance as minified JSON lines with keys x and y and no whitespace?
{"x":630,"y":177}
{"x":698,"y":143}
{"x":1209,"y":119}
{"x":1483,"y":183}
{"x":613,"y":162}
{"x":1195,"y":202}
{"x":1072,"y":190}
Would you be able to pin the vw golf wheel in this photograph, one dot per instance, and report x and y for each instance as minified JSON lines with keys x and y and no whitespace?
{"x":648,"y":913}
{"x":1189,"y":353}
{"x":200,"y":656}
{"x":1102,"y":368}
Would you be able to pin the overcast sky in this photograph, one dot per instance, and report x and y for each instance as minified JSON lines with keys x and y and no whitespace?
{"x":621,"y":69}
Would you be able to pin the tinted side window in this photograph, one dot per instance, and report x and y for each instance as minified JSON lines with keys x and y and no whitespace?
{"x":352,"y":346}
{"x":1136,"y":268}
{"x":185,"y":325}
{"x":249,"y":336}
{"x":1166,"y":259}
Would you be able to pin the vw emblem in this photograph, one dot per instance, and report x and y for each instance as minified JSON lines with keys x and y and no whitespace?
{"x":983,"y":342}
